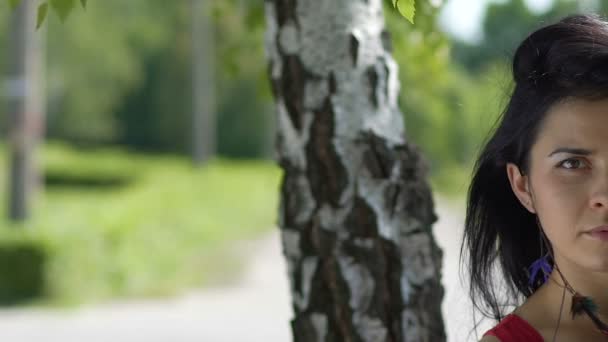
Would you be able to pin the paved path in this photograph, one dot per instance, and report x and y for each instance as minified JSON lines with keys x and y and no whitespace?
{"x":255,"y":309}
{"x":457,"y":309}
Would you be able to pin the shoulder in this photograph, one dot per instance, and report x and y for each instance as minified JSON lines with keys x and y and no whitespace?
{"x":513,"y":328}
{"x":489,"y":338}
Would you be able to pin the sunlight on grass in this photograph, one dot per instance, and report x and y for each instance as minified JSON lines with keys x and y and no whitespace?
{"x":157,"y":229}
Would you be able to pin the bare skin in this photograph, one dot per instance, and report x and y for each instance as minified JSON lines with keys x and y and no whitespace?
{"x":567,"y":188}
{"x":542,"y":309}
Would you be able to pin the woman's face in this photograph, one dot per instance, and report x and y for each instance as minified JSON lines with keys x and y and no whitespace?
{"x":567,"y":184}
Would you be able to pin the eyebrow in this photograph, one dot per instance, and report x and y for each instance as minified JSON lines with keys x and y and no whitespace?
{"x":571,"y":150}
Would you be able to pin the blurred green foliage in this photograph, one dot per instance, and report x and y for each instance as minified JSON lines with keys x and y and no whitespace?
{"x":165,"y":227}
{"x":120,"y":73}
{"x":447,"y":110}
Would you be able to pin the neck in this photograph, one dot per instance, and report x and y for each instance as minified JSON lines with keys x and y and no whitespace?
{"x":584,"y":282}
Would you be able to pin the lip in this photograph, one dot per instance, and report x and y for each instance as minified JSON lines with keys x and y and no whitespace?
{"x":600,"y":233}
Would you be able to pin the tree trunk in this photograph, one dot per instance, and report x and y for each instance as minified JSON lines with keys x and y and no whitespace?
{"x":356,"y":210}
{"x":203,"y":119}
{"x":26,"y":108}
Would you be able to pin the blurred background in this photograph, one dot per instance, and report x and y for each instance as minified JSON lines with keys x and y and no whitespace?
{"x":139,"y":191}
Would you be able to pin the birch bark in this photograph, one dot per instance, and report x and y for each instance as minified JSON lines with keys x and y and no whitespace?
{"x":356,"y":210}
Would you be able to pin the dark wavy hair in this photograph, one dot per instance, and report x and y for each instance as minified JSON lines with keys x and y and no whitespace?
{"x":568,"y":59}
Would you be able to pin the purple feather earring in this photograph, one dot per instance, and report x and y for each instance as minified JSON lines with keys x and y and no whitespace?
{"x":540,"y":266}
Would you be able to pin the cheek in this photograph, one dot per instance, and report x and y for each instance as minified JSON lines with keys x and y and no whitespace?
{"x":557,"y":191}
{"x":559,"y":203}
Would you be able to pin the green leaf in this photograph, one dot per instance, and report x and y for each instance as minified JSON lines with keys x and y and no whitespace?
{"x":83,"y":3}
{"x":14,"y":3}
{"x":63,"y":7}
{"x":407,"y":8}
{"x":43,"y":9}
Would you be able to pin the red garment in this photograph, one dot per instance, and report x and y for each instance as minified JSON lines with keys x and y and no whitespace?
{"x":513,"y":328}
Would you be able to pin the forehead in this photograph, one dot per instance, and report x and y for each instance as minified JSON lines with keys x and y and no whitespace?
{"x":583,"y":123}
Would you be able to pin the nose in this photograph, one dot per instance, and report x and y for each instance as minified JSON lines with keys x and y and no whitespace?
{"x":599,"y":197}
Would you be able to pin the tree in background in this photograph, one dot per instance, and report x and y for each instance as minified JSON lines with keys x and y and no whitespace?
{"x":203,"y":113}
{"x":155,"y":115}
{"x":356,"y":211}
{"x":26,"y":108}
{"x":131,"y":86}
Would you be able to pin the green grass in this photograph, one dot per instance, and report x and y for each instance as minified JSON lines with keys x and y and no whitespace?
{"x":115,"y":223}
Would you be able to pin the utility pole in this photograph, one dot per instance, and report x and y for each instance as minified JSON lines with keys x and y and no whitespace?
{"x":26,"y":108}
{"x":203,"y":107}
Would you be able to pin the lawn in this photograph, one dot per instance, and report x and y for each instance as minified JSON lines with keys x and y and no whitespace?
{"x":112,"y":223}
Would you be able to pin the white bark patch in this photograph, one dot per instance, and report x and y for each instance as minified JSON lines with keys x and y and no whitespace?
{"x":406,"y":288}
{"x":351,"y":104}
{"x":332,"y":219}
{"x":289,"y":39}
{"x":360,"y":283}
{"x":410,"y":324}
{"x":370,"y":329}
{"x":364,"y":243}
{"x":351,"y":157}
{"x":388,"y":122}
{"x":319,"y":322}
{"x":417,"y":258}
{"x":270,"y":40}
{"x":372,"y":191}
{"x":323,"y":47}
{"x":291,"y":244}
{"x":294,"y":142}
{"x":326,"y":27}
{"x":309,"y":266}
{"x":306,"y":200}
{"x":315,"y":93}
{"x":393,"y":83}
{"x":370,"y":44}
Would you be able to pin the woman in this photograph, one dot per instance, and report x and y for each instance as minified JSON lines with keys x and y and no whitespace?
{"x":536,"y":231}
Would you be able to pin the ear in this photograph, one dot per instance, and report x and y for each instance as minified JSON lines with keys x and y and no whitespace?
{"x":520,"y":187}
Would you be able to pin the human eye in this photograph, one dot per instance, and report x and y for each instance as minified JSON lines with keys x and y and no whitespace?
{"x":572,"y":164}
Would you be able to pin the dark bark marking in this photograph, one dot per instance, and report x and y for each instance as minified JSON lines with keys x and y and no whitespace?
{"x":372,"y":79}
{"x":285,"y":10}
{"x":416,"y":198}
{"x":292,"y":198}
{"x":428,"y":296}
{"x":383,"y":261}
{"x":303,"y":329}
{"x":390,"y":294}
{"x":326,"y":173}
{"x":391,"y":197}
{"x":387,"y":41}
{"x":332,"y":292}
{"x":378,"y":157}
{"x":362,"y":221}
{"x":292,"y":83}
{"x":333,"y":85}
{"x":387,"y":72}
{"x":354,"y":49}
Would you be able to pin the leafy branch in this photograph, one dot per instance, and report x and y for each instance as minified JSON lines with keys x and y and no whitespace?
{"x":61,"y":7}
{"x":407,"y":8}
